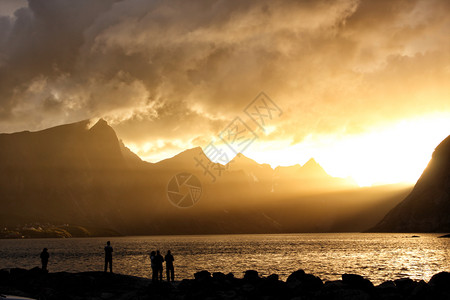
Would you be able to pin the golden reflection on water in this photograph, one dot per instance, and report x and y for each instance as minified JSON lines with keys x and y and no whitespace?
{"x":378,"y":257}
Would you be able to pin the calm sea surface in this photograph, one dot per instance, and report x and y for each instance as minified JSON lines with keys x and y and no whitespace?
{"x":378,"y":257}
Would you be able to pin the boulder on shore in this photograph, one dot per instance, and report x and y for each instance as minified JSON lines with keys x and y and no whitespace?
{"x":38,"y":284}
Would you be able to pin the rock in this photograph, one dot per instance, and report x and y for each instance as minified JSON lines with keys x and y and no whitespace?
{"x":405,"y":285}
{"x":36,"y":271}
{"x":185,"y":284}
{"x":202,"y":275}
{"x":251,"y":275}
{"x":50,"y":294}
{"x":272,"y":288}
{"x":441,"y":281}
{"x":273,"y":277}
{"x":18,"y":272}
{"x":357,"y":282}
{"x":348,"y":294}
{"x":296,"y":275}
{"x":163,"y":288}
{"x":248,"y":288}
{"x":302,"y":282}
{"x":421,"y":290}
{"x":387,"y":290}
{"x":107,"y":295}
{"x":333,"y":285}
{"x":4,"y":275}
{"x":299,"y":285}
{"x":387,"y":286}
{"x":219,"y":276}
{"x":230,"y":294}
{"x":312,"y":282}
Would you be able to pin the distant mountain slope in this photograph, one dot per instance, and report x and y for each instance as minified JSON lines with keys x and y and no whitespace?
{"x":310,"y":177}
{"x":427,"y":207}
{"x":85,"y":176}
{"x":69,"y":173}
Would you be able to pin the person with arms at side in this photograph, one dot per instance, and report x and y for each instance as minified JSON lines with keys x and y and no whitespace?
{"x":44,"y":259}
{"x":169,"y":266}
{"x":108,"y":256}
{"x":153,"y":265}
{"x":159,"y":264}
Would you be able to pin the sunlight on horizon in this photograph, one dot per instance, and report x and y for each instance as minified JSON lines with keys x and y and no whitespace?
{"x":392,"y":153}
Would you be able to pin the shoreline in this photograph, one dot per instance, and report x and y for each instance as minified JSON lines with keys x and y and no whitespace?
{"x":38,"y":284}
{"x":408,"y":234}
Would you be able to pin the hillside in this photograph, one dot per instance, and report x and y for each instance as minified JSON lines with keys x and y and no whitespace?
{"x":427,"y":207}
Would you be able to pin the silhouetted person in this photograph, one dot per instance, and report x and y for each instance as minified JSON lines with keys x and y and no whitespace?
{"x":154,"y":266}
{"x":169,"y":266}
{"x":108,"y":256}
{"x":159,"y":264}
{"x":44,"y":258}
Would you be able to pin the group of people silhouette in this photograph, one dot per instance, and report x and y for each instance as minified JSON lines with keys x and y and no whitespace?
{"x":156,"y":261}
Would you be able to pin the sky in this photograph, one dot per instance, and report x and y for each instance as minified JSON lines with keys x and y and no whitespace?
{"x":361,"y":86}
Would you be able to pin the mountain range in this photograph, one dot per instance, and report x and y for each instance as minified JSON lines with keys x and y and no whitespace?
{"x":85,"y":178}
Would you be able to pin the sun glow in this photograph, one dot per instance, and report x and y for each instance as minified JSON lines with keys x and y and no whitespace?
{"x":393,"y":153}
{"x":389,"y":154}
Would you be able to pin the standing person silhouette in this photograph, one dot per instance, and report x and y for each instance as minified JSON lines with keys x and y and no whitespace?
{"x":108,"y":256}
{"x":44,"y":259}
{"x":153,"y":265}
{"x":159,"y":264}
{"x":169,"y":266}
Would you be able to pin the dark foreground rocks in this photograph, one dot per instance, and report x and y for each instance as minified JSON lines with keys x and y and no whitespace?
{"x":299,"y":285}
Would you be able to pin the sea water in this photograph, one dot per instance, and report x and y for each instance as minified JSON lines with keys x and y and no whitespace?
{"x":378,"y":257}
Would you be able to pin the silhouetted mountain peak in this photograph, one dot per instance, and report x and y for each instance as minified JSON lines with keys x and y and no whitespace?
{"x":242,"y":162}
{"x":190,"y":153}
{"x":81,"y":173}
{"x":184,"y":160}
{"x":101,"y":126}
{"x":443,"y":149}
{"x":313,"y":169}
{"x":311,"y":161}
{"x":241,"y":159}
{"x":104,"y":144}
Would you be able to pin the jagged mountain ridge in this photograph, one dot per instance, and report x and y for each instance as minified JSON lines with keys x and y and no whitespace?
{"x":309,"y":178}
{"x":68,"y":173}
{"x":85,"y":176}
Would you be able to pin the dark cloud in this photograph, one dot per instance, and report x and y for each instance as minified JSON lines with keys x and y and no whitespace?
{"x":184,"y":69}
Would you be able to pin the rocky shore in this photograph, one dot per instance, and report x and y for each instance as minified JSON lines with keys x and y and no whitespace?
{"x":37,"y":284}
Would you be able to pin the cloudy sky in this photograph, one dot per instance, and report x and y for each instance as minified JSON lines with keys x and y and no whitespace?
{"x":363,"y":86}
